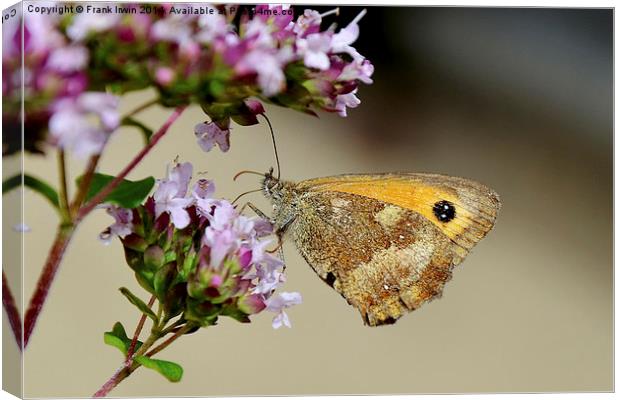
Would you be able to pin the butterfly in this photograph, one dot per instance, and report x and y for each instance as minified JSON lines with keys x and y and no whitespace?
{"x":386,"y":242}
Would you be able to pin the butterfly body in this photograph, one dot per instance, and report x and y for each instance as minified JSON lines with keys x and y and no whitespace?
{"x":386,"y":242}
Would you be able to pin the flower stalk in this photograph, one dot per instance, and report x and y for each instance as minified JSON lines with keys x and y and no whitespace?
{"x":66,"y":230}
{"x":136,"y":160}
{"x":64,"y":198}
{"x":85,"y":184}
{"x":119,"y":375}
{"x":8,"y":301}
{"x":136,"y":334}
{"x":141,"y":108}
{"x":131,"y":365}
{"x":180,"y":332}
{"x":61,"y":242}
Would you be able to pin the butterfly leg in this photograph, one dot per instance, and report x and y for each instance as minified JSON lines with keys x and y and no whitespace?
{"x":279,"y":246}
{"x":279,"y":233}
{"x":281,"y":255}
{"x":255,"y":209}
{"x":280,"y":249}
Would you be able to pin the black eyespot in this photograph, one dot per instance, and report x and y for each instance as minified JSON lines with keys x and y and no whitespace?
{"x":330,"y":278}
{"x":444,"y":211}
{"x":388,"y":321}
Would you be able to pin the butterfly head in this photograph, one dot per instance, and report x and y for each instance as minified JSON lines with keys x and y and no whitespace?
{"x":272,"y":186}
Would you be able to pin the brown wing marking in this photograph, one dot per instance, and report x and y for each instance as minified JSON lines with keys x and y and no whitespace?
{"x":381,"y":269}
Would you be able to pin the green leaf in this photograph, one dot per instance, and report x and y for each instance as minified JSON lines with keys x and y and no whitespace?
{"x":163,"y":279}
{"x":110,"y":339}
{"x":128,"y":194}
{"x":296,"y":71}
{"x":235,"y":313}
{"x":172,"y":371}
{"x":33,"y":183}
{"x":117,"y":337}
{"x":189,"y":263}
{"x":203,"y":313}
{"x":146,"y":131}
{"x":174,"y":302}
{"x":145,"y":279}
{"x":217,"y":88}
{"x":133,"y":299}
{"x":119,"y":330}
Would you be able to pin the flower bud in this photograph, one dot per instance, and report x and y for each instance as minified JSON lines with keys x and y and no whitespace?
{"x":134,"y":242}
{"x":154,"y":257}
{"x":164,"y":76}
{"x":251,"y":303}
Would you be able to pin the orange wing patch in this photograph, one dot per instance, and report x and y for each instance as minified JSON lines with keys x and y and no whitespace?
{"x":476,"y":205}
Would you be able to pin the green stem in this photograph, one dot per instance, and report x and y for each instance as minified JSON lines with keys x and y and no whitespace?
{"x":64,"y":198}
{"x":85,"y":184}
{"x":154,"y":336}
{"x":160,"y":310}
{"x":173,"y":326}
{"x":140,"y":108}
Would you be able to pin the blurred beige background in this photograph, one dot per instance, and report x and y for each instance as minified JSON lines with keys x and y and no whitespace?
{"x":517,"y":99}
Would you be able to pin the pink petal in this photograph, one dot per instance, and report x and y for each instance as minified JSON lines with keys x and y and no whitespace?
{"x":180,"y":217}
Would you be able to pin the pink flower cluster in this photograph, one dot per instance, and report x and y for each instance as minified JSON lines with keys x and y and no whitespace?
{"x":209,"y":60}
{"x":337,"y":79}
{"x":53,"y":65}
{"x":219,"y":61}
{"x":55,"y":83}
{"x":271,"y":40}
{"x":231,"y":263}
{"x":83,"y":123}
{"x":259,"y":49}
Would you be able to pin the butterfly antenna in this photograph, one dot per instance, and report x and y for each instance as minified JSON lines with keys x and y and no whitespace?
{"x":243,"y":194}
{"x":246,"y":172}
{"x":273,"y":139}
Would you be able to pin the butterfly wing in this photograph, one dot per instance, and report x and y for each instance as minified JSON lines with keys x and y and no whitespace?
{"x":388,"y":242}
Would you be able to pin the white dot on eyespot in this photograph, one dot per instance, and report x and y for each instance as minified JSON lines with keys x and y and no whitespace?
{"x":401,"y":236}
{"x":386,"y":287}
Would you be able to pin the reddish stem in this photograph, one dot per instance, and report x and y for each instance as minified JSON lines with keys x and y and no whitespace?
{"x":85,"y":184}
{"x":125,"y":370}
{"x":15,"y":320}
{"x":63,"y":237}
{"x":182,"y":331}
{"x":119,"y":178}
{"x":132,"y":346}
{"x":114,"y":380}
